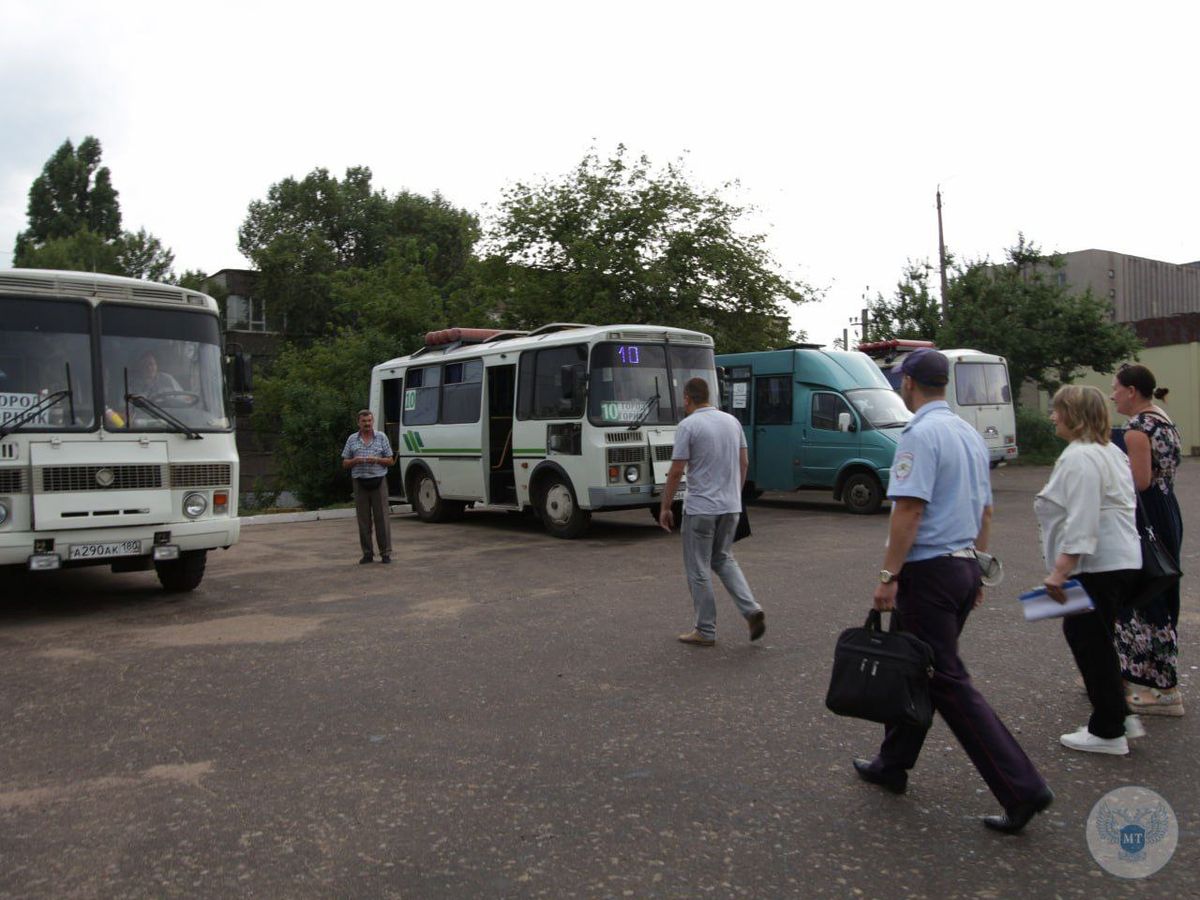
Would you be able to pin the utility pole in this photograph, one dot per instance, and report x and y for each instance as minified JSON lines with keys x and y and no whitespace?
{"x":941,"y":251}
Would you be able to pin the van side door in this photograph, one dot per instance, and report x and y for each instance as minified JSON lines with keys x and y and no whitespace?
{"x":826,"y":447}
{"x":775,"y":440}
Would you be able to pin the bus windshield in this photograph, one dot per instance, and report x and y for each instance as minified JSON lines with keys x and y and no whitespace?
{"x":643,"y":383}
{"x":880,"y":407}
{"x":45,"y":349}
{"x":171,"y":358}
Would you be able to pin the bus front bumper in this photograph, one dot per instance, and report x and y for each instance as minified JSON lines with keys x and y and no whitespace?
{"x":90,"y":546}
{"x":625,"y":496}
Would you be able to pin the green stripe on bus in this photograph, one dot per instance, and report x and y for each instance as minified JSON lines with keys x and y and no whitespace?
{"x":537,"y":451}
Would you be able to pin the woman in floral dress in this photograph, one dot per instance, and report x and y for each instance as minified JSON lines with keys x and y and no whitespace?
{"x":1147,"y":638}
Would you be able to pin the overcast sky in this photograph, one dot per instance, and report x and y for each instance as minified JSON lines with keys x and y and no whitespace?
{"x":1073,"y":122}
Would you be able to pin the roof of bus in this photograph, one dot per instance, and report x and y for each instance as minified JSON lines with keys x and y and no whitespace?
{"x":838,"y":369}
{"x":94,"y":286}
{"x":575,"y":335}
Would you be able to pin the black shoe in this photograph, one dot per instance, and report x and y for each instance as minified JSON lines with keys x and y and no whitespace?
{"x":896,"y":782}
{"x":367,"y":557}
{"x":385,"y":559}
{"x":758,"y":624}
{"x":1018,"y":817}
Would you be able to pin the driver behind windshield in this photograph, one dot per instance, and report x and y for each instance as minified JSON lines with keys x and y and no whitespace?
{"x":148,"y":379}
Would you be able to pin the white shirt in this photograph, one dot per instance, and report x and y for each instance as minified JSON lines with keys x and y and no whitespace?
{"x":1087,"y":507}
{"x":711,"y":441}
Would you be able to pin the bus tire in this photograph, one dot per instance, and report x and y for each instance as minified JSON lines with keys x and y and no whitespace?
{"x":862,"y":493}
{"x":560,"y":510}
{"x":428,"y":503}
{"x":178,"y":576}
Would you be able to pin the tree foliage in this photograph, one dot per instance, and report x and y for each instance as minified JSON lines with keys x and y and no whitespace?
{"x":911,"y":313}
{"x":617,"y":241}
{"x":307,"y":231}
{"x":1020,"y":310}
{"x":75,"y":221}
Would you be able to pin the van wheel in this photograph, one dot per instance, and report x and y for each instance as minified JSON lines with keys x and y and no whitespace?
{"x":862,"y":493}
{"x":560,"y":510}
{"x":178,"y":576}
{"x":428,"y":504}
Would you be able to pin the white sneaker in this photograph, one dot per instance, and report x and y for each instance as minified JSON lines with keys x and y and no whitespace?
{"x":1134,"y":728}
{"x":1086,"y":741}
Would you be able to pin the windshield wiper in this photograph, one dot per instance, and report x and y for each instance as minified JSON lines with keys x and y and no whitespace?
{"x":645,"y":410}
{"x":150,"y":405}
{"x":36,"y":410}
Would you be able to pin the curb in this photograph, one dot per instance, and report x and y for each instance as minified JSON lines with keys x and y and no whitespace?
{"x":311,"y":516}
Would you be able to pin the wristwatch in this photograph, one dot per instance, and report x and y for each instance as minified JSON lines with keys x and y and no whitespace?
{"x":886,"y":577}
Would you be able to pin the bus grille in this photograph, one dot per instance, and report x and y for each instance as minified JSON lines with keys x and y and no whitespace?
{"x":192,"y":475}
{"x":662,"y":453}
{"x":83,"y":478}
{"x":621,"y":455}
{"x":12,"y":481}
{"x":622,"y":437}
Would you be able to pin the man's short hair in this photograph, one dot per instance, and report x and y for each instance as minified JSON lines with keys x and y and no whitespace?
{"x":363,"y":412}
{"x":696,"y":390}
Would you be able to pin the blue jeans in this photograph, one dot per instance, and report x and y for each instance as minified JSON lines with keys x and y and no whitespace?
{"x":708,"y":548}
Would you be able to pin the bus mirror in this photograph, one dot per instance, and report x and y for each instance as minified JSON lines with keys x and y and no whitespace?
{"x":243,"y":405}
{"x":844,"y":422}
{"x":573,"y":380}
{"x":723,"y":386}
{"x":241,"y":375}
{"x":1006,"y":394}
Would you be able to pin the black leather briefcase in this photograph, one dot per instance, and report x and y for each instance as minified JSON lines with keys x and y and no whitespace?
{"x":881,"y":676}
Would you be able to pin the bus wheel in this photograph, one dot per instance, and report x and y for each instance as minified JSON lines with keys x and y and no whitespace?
{"x":184,"y":574}
{"x":560,"y":512}
{"x":428,"y":504}
{"x":862,"y":493}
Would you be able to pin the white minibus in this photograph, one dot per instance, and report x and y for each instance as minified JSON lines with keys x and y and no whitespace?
{"x":567,"y":419}
{"x":115,"y":444}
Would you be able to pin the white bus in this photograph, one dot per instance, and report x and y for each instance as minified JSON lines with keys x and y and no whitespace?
{"x":978,"y":391}
{"x":566,"y":420}
{"x":115,"y":444}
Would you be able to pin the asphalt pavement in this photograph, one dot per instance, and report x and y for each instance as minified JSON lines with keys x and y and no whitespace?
{"x":500,"y":713}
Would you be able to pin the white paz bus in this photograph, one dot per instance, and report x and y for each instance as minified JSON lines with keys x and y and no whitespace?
{"x":566,"y":420}
{"x":115,"y":444}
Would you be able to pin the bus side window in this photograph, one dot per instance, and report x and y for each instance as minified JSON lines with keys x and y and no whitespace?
{"x":421,"y":396}
{"x":773,"y":400}
{"x":462,"y":391}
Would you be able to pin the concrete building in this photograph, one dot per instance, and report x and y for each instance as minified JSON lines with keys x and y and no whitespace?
{"x":1161,"y":302}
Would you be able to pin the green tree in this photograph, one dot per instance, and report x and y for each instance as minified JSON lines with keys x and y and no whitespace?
{"x":75,"y":221}
{"x":1020,"y":310}
{"x":911,"y":313}
{"x":307,"y":231}
{"x":616,"y":241}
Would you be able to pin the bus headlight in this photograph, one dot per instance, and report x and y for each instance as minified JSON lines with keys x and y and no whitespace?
{"x":631,"y":474}
{"x":3,"y":512}
{"x":194,"y":505}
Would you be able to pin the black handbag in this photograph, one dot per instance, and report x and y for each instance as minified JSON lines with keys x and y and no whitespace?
{"x":743,"y":526}
{"x":1160,"y":570}
{"x":881,"y":676}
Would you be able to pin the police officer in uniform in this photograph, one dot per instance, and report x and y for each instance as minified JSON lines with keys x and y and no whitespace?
{"x":941,"y":511}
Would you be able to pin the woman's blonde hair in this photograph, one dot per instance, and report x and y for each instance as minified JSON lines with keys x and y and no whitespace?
{"x":1083,"y":412}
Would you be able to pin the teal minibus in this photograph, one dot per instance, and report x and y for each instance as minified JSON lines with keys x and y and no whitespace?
{"x":815,"y":418}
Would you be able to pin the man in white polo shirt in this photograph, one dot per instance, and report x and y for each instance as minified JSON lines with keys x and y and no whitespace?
{"x":711,"y":447}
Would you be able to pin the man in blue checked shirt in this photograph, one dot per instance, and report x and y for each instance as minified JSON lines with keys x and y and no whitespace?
{"x":367,"y":455}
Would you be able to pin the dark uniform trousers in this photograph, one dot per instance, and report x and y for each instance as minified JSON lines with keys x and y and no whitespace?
{"x":373,"y":504}
{"x":934,"y":598}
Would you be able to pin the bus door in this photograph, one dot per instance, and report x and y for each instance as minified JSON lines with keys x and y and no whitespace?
{"x":501,"y":481}
{"x":774,"y":445}
{"x":826,"y":446}
{"x":393,"y":404}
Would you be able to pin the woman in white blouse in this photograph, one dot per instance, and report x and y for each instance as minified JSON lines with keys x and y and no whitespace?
{"x":1086,"y":518}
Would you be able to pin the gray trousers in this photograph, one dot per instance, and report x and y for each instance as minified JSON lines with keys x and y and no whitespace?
{"x":373,"y":505}
{"x":708,"y":548}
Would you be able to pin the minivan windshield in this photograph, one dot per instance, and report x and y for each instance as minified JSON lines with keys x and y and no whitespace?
{"x":880,"y":407}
